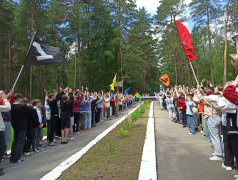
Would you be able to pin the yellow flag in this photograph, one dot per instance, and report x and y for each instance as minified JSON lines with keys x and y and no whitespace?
{"x":113,"y":82}
{"x":115,"y":79}
{"x":112,"y":87}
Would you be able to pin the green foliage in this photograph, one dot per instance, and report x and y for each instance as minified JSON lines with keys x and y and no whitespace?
{"x":111,"y":147}
{"x":149,"y":46}
{"x":127,"y":125}
{"x":123,"y":132}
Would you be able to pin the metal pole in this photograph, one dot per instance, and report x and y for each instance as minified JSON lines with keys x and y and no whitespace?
{"x":194,"y":73}
{"x":25,"y":61}
{"x":18,"y":76}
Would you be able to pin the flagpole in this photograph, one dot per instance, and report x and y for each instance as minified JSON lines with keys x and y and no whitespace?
{"x":194,"y":73}
{"x":18,"y":76}
{"x":24,"y":61}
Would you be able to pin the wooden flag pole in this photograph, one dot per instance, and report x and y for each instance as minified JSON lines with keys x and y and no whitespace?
{"x":194,"y":73}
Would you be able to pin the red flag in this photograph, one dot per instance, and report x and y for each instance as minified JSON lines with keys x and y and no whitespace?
{"x":186,"y":41}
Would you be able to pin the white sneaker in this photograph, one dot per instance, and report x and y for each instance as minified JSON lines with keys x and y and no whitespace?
{"x":216,"y":158}
{"x":189,"y":133}
{"x":223,"y":166}
{"x":236,"y":176}
{"x":229,"y":168}
{"x":201,"y":131}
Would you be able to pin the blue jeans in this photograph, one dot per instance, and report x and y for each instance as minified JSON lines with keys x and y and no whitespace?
{"x":7,"y":133}
{"x":208,"y":137}
{"x":190,"y":123}
{"x":88,"y":120}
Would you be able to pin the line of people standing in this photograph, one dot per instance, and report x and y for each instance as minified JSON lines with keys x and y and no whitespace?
{"x":213,"y":111}
{"x":65,"y":114}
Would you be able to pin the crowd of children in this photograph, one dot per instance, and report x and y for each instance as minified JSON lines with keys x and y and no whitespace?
{"x":213,"y":111}
{"x":65,"y":113}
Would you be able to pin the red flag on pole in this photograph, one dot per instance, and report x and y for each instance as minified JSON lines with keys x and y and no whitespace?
{"x":186,"y":41}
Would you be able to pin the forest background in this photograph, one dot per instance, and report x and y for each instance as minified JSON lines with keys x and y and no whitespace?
{"x":102,"y":37}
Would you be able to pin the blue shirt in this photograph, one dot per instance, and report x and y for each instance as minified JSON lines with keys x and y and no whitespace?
{"x":83,"y":106}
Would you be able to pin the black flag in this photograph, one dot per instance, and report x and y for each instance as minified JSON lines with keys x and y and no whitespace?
{"x":41,"y":54}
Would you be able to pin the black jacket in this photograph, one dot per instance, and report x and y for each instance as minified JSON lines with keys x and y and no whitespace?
{"x":53,"y":104}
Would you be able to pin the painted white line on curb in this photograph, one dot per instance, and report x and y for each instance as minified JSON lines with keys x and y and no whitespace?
{"x":56,"y":172}
{"x":148,"y":160}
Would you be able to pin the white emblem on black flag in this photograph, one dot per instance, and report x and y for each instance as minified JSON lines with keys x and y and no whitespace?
{"x":42,"y":54}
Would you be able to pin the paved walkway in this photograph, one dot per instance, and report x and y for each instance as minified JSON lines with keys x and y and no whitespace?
{"x":40,"y":164}
{"x":181,"y":156}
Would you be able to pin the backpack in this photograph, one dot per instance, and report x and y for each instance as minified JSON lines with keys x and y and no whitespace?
{"x":231,"y":124}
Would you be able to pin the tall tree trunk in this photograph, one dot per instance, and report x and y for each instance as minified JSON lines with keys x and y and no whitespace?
{"x":119,"y":45}
{"x":78,"y":60}
{"x":225,"y":51}
{"x":210,"y":42}
{"x":32,"y":28}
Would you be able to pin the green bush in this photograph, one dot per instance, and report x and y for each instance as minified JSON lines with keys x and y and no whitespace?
{"x":127,"y":125}
{"x":123,"y":132}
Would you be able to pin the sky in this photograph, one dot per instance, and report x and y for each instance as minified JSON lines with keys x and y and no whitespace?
{"x":151,"y":7}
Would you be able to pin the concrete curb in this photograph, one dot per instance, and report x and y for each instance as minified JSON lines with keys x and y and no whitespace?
{"x":56,"y":172}
{"x":148,"y":160}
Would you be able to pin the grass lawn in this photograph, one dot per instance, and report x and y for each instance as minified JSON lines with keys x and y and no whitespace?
{"x":12,"y":135}
{"x":119,"y":160}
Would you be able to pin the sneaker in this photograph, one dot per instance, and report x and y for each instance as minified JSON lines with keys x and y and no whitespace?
{"x":229,"y":168}
{"x":2,"y":173}
{"x":32,"y":153}
{"x":6,"y":156}
{"x":77,"y":133}
{"x":201,"y":131}
{"x":52,"y":144}
{"x":72,"y":138}
{"x":20,"y":161}
{"x":236,"y":176}
{"x":40,"y":149}
{"x":26,"y":154}
{"x":189,"y":133}
{"x":36,"y":150}
{"x":216,"y":158}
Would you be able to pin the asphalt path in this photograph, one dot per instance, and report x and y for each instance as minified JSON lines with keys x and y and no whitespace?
{"x":38,"y":165}
{"x":181,"y":156}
